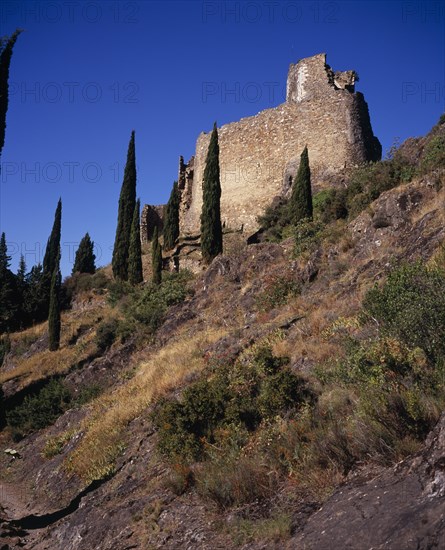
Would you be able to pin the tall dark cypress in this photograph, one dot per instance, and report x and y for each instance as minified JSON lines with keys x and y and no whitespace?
{"x":211,"y":229}
{"x":50,"y":258}
{"x":22,"y":286}
{"x":135,"y":253}
{"x":84,"y":260}
{"x":300,"y":203}
{"x":8,"y":296}
{"x":156,"y":258}
{"x":54,"y":324}
{"x":171,"y":218}
{"x":53,"y":246}
{"x":127,"y":202}
{"x":6,"y":47}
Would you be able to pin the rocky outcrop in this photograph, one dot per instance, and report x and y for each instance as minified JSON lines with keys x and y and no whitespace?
{"x":401,"y":508}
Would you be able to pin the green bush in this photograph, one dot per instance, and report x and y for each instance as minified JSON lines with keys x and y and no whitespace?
{"x":433,"y":155}
{"x":87,"y":394}
{"x":330,"y":205}
{"x":275,"y":218}
{"x":82,"y":282}
{"x":106,"y":334}
{"x":308,"y":235}
{"x":280,"y":393}
{"x":147,"y":306}
{"x":225,"y":408}
{"x":411,"y":307}
{"x":40,"y":410}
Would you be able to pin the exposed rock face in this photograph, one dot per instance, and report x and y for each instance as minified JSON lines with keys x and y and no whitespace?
{"x":258,"y":154}
{"x":402,"y":508}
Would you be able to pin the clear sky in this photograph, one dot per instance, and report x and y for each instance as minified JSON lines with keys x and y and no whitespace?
{"x":85,"y":73}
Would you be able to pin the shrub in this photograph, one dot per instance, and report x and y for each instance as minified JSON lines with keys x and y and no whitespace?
{"x":232,"y":480}
{"x":87,"y":394}
{"x":83,"y":282}
{"x":433,"y":155}
{"x":149,"y":305}
{"x":280,"y":393}
{"x":411,"y":307}
{"x":277,"y":291}
{"x":40,"y":410}
{"x":307,"y":235}
{"x":275,"y":218}
{"x":106,"y":334}
{"x":330,"y":205}
{"x":225,"y":408}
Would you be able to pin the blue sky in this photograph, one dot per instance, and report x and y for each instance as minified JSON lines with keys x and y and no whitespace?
{"x":85,"y":73}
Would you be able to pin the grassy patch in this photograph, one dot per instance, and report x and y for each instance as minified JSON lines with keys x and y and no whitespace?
{"x":55,"y":445}
{"x":106,"y":427}
{"x":276,"y":528}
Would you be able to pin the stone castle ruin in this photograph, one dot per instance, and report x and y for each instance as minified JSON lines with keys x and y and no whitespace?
{"x":259,"y":154}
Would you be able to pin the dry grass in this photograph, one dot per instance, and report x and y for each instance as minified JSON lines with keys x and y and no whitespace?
{"x":47,"y":363}
{"x":106,"y":426}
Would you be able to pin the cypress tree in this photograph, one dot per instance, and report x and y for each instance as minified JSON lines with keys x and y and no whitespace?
{"x":84,"y":260}
{"x":6,"y":47}
{"x":53,"y":246}
{"x":21,"y":285}
{"x":135,"y":254}
{"x":171,"y":218}
{"x":156,"y":258}
{"x":54,"y":324}
{"x":50,"y":258}
{"x":127,"y":202}
{"x":300,"y":203}
{"x":211,"y":229}
{"x":36,"y":306}
{"x":8,"y":302}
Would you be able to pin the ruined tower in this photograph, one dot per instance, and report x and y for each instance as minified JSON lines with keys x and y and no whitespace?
{"x":259,"y":154}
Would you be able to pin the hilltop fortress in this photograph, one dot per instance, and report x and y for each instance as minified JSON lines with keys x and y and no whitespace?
{"x":259,"y":154}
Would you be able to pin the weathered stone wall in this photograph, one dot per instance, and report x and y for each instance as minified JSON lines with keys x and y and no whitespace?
{"x":151,"y":217}
{"x":259,"y":153}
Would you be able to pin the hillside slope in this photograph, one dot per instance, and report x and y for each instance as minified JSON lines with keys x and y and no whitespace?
{"x":266,"y":408}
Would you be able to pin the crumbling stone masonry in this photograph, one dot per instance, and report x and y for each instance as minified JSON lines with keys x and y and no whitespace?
{"x":259,"y":154}
{"x":151,"y":217}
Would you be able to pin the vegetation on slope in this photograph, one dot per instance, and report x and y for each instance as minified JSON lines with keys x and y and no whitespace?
{"x":281,"y":375}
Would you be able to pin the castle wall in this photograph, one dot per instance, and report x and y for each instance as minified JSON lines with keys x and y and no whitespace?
{"x":259,"y":153}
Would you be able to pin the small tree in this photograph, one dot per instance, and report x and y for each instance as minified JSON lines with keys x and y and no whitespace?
{"x":300,"y":203}
{"x":156,"y":257}
{"x":35,"y":304}
{"x":6,"y":47}
{"x":211,"y":229}
{"x":53,"y":246}
{"x":21,"y":288}
{"x":54,"y":324}
{"x":8,"y":294}
{"x":51,"y":254}
{"x":85,"y":257}
{"x":127,"y":202}
{"x":135,"y":254}
{"x":171,"y":218}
